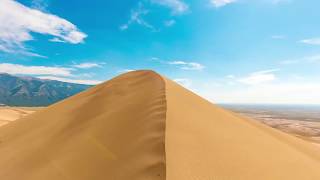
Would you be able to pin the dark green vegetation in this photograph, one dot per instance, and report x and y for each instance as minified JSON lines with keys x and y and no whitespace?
{"x":28,"y":91}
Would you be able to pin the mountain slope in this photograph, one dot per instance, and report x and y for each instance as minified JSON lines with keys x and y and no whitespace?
{"x":141,"y":126}
{"x":25,"y":91}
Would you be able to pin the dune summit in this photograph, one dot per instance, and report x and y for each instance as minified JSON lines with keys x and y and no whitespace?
{"x":141,"y":126}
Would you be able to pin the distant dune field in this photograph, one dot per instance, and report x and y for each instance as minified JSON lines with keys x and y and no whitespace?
{"x":142,"y":126}
{"x":9,"y":114}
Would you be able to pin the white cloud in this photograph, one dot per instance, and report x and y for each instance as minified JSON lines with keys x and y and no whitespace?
{"x":278,"y":37}
{"x":259,"y":77}
{"x":187,"y":65}
{"x":169,"y":23}
{"x":286,"y":62}
{"x":88,"y":75}
{"x":307,"y":59}
{"x":124,"y":26}
{"x":137,"y":17}
{"x":312,"y":41}
{"x":230,"y":76}
{"x":184,"y":82}
{"x":177,"y":6}
{"x":57,"y":40}
{"x":34,"y":70}
{"x":220,"y":3}
{"x":125,"y":70}
{"x":313,"y":59}
{"x":19,"y":21}
{"x":87,"y":65}
{"x":76,"y":81}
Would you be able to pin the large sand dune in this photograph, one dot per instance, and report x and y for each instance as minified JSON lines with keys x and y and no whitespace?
{"x":141,"y":126}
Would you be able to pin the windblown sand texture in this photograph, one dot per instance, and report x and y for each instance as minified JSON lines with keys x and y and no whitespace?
{"x":9,"y":114}
{"x":141,"y":126}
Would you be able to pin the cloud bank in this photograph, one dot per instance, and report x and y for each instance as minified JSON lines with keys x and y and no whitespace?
{"x":34,"y":70}
{"x":187,"y":65}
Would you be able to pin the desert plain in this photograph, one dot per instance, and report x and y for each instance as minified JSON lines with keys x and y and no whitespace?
{"x":302,"y":121}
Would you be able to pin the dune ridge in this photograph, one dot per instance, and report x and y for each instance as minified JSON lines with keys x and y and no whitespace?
{"x":9,"y":114}
{"x":142,"y":126}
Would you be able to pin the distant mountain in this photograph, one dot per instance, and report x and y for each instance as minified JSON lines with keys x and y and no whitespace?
{"x":28,"y":91}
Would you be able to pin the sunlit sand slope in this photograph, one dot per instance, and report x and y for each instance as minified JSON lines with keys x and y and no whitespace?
{"x":141,"y":126}
{"x":114,"y":131}
{"x":205,"y":142}
{"x":9,"y":114}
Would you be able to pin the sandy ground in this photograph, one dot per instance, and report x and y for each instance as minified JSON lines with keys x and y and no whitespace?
{"x":9,"y":114}
{"x":140,"y":126}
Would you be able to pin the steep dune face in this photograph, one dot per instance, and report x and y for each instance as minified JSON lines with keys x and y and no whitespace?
{"x":141,"y":126}
{"x":205,"y":142}
{"x":113,"y":131}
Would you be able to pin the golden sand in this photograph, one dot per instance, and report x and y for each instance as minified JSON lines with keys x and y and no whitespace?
{"x":141,"y":126}
{"x":9,"y":114}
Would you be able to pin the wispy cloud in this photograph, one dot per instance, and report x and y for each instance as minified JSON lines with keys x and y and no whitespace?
{"x":286,"y":62}
{"x":220,"y":3}
{"x":230,"y":76}
{"x":169,"y":23}
{"x":187,"y":65}
{"x":311,"y":41}
{"x":177,"y":6}
{"x":137,"y":17}
{"x":306,"y":59}
{"x":278,"y":1}
{"x":69,"y":80}
{"x":19,"y":21}
{"x":57,"y":40}
{"x":39,"y":4}
{"x":259,"y":77}
{"x":313,"y":59}
{"x":278,"y":37}
{"x":35,"y":70}
{"x":88,"y":65}
{"x":184,"y":82}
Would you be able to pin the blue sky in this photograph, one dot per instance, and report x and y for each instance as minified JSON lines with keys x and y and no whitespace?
{"x":228,"y":51}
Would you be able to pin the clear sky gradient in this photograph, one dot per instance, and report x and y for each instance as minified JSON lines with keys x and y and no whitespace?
{"x":228,"y":51}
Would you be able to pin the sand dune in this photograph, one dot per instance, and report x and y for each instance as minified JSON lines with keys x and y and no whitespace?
{"x":141,"y":126}
{"x":9,"y":114}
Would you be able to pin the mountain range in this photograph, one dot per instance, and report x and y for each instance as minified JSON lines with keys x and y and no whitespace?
{"x":29,"y":91}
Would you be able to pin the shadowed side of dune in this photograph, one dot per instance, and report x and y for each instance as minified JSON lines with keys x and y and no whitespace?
{"x":113,"y":131}
{"x":205,"y":142}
